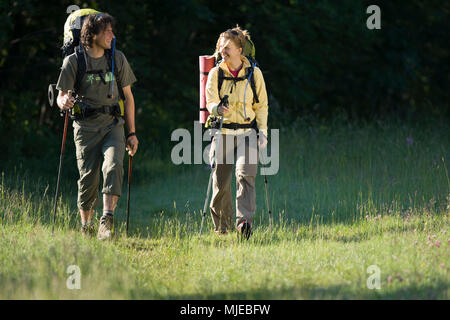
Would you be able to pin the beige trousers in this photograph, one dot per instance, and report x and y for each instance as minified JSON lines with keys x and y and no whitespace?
{"x":242,"y":151}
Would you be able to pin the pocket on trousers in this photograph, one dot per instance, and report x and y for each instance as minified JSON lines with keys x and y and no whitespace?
{"x":246,"y":170}
{"x":79,"y":154}
{"x":79,"y":149}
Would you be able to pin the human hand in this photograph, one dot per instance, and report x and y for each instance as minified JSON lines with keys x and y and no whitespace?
{"x":66,"y":101}
{"x":262,"y":140}
{"x":221,"y":109}
{"x":132,"y":145}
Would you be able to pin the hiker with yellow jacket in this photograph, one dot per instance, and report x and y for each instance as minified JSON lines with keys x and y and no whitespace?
{"x":242,"y":119}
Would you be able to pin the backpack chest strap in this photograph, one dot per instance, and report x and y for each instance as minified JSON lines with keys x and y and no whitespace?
{"x":81,"y":70}
{"x":222,"y":77}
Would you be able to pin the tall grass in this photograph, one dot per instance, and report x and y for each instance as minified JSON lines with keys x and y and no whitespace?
{"x":346,"y":197}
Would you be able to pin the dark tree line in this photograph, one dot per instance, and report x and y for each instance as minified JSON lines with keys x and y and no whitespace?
{"x":318,"y":58}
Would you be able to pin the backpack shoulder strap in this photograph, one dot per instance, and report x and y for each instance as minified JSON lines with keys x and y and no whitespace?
{"x":116,"y":71}
{"x":254,"y":64}
{"x":253,"y":85}
{"x":81,"y":67}
{"x":220,"y":77}
{"x":252,"y":82}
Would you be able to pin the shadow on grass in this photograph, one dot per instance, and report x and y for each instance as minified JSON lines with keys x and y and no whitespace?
{"x":310,"y":292}
{"x":177,"y":227}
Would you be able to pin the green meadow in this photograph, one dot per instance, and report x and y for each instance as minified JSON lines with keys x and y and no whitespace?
{"x":348,"y":199}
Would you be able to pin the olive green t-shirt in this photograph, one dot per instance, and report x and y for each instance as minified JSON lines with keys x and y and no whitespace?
{"x":94,"y":91}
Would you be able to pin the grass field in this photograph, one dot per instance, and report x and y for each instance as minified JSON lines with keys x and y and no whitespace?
{"x":346,"y":198}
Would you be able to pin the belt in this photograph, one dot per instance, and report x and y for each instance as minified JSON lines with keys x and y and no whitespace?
{"x":105,"y":109}
{"x":235,"y":126}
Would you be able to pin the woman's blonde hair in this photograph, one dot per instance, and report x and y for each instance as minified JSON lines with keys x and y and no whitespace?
{"x":237,"y":35}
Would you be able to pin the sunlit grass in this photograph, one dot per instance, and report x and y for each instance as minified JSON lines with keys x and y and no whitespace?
{"x":345,"y":198}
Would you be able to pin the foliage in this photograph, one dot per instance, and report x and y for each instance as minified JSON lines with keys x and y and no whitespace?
{"x":318,"y":59}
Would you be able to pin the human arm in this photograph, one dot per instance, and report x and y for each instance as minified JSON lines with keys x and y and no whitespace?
{"x":66,"y":82}
{"x":261,"y":107}
{"x":132,"y":140}
{"x":212,"y":95}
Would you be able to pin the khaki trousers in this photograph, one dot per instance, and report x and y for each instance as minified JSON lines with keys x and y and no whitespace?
{"x":240,"y":150}
{"x":104,"y":150}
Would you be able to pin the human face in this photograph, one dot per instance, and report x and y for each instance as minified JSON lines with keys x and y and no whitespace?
{"x":228,"y":50}
{"x":104,"y":38}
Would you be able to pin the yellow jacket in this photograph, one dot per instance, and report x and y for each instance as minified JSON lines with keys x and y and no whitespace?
{"x":235,"y":92}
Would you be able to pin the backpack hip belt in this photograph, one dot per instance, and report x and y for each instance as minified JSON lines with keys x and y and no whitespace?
{"x":235,"y":126}
{"x":82,"y":111}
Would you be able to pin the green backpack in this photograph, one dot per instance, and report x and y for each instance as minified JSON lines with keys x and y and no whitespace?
{"x":72,"y":30}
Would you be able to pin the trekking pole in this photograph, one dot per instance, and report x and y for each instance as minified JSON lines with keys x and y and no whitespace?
{"x":130,"y":160}
{"x":224,"y":101}
{"x":61,"y":156}
{"x":266,"y":183}
{"x":206,"y":200}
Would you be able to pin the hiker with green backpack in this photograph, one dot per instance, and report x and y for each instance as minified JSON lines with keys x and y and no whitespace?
{"x":244,"y":121}
{"x":100,"y":77}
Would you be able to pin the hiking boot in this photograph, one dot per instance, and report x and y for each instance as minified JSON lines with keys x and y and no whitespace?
{"x":84,"y":230}
{"x":221,"y":233}
{"x":88,"y":230}
{"x":105,"y":228}
{"x":245,"y":229}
